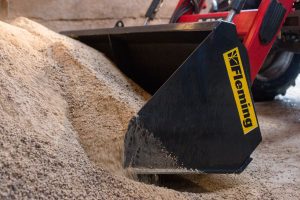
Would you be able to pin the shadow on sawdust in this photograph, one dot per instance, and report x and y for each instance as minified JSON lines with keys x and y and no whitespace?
{"x":203,"y":183}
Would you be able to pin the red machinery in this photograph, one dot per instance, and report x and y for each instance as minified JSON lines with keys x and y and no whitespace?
{"x":248,"y":25}
{"x":282,"y":65}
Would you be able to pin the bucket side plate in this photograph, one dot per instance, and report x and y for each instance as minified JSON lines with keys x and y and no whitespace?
{"x":194,"y":121}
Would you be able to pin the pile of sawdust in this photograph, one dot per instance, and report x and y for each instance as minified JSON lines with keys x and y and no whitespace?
{"x":64,"y":109}
{"x":100,"y":99}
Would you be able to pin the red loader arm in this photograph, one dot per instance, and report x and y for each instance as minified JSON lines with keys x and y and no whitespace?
{"x":257,"y":28}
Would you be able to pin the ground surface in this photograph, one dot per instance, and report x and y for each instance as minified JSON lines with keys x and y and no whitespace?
{"x":64,"y":109}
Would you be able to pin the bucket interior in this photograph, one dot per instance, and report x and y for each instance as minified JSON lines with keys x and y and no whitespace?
{"x":148,"y":55}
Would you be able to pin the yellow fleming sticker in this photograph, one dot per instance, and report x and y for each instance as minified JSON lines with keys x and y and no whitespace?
{"x":240,"y":90}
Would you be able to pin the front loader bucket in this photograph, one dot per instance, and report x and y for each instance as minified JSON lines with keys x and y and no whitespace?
{"x":202,"y":118}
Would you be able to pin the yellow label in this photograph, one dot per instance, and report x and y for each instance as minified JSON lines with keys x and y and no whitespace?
{"x":240,"y":90}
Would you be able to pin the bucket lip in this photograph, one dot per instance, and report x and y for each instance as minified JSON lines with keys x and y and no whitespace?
{"x":184,"y":171}
{"x":178,"y":27}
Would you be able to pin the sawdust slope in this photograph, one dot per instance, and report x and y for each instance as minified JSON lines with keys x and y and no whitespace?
{"x":101,"y":100}
{"x":56,"y":94}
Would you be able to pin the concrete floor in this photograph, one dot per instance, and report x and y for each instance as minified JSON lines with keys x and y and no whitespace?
{"x":275,"y":170}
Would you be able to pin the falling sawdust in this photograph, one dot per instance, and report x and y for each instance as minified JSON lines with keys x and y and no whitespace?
{"x":64,"y":109}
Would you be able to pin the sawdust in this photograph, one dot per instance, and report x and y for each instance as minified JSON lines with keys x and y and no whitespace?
{"x":142,"y":146}
{"x":64,"y":109}
{"x":101,"y":100}
{"x":101,"y":104}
